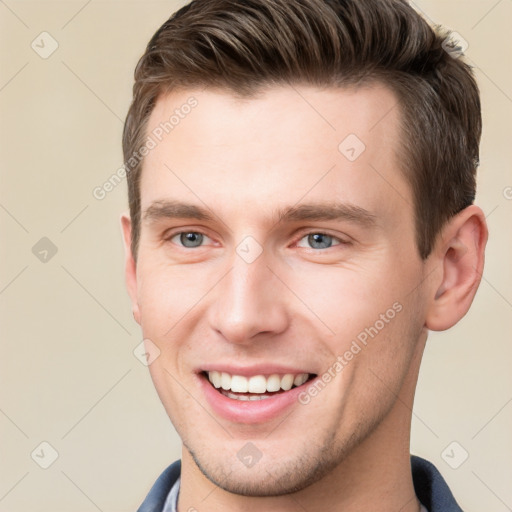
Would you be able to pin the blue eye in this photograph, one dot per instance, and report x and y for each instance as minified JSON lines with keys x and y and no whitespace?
{"x":319,"y":241}
{"x":189,"y":239}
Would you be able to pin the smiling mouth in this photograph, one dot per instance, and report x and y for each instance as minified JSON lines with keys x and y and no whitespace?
{"x":256,"y":387}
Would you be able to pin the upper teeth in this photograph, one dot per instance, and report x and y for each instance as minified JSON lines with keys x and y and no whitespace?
{"x":256,"y":383}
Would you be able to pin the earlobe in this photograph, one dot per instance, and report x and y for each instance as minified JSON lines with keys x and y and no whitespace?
{"x":130,"y":265}
{"x":459,"y":253}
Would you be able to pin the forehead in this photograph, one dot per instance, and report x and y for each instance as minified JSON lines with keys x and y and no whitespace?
{"x":276,"y":148}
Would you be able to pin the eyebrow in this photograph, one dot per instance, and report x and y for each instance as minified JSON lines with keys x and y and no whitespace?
{"x":327,"y":211}
{"x":165,"y":209}
{"x":169,"y":209}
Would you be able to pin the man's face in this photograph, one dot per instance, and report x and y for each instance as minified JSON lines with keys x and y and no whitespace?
{"x":306,"y":255}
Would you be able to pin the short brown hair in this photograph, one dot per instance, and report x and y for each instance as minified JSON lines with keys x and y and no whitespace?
{"x":242,"y":46}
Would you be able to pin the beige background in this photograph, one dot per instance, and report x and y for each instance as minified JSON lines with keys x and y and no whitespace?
{"x":68,"y":373}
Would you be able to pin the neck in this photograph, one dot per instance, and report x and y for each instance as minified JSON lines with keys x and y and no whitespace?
{"x":375,"y":476}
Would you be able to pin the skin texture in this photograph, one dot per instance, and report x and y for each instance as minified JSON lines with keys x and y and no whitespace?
{"x":296,"y":304}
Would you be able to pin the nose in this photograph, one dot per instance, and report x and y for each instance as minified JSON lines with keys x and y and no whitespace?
{"x":249,"y":302}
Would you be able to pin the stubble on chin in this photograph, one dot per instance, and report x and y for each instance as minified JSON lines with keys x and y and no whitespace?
{"x":279,"y":478}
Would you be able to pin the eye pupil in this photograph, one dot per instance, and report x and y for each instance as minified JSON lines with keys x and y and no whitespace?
{"x":191,"y":239}
{"x":320,"y":240}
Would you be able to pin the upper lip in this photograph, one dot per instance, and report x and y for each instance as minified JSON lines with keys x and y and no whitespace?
{"x":257,"y":369}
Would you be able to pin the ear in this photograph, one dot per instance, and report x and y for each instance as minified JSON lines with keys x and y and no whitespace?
{"x":130,"y":264}
{"x":459,"y":252}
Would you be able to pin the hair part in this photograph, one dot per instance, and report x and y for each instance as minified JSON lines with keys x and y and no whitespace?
{"x":244,"y":47}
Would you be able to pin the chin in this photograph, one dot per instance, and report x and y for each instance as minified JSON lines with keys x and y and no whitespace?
{"x":271,"y":478}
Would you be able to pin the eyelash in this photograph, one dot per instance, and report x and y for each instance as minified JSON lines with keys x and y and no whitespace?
{"x":303,"y":235}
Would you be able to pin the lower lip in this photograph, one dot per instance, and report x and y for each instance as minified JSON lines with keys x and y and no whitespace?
{"x":249,"y":411}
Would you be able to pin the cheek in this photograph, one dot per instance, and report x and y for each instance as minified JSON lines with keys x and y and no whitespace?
{"x":369,"y":317}
{"x":347,"y":300}
{"x":388,"y":343}
{"x":166,"y":294}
